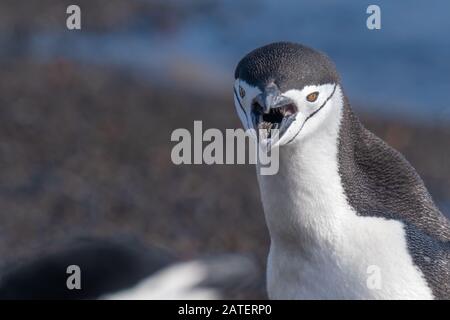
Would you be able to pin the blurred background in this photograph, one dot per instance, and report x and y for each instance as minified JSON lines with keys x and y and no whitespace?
{"x":86,"y":115}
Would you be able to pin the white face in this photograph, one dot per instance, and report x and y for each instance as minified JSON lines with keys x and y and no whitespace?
{"x":308,"y":105}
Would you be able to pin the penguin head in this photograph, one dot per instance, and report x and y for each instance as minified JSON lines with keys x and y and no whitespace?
{"x":285,"y":86}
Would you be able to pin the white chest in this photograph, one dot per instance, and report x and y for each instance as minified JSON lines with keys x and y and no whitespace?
{"x":320,"y":247}
{"x":370,"y":261}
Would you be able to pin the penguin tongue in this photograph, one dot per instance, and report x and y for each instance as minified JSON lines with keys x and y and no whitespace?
{"x":289,"y":110}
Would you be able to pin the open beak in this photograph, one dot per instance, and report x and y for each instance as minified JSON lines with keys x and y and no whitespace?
{"x":271,"y":110}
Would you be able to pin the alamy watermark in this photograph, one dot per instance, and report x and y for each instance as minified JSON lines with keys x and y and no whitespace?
{"x":374,"y":279}
{"x":373,"y":22}
{"x":73,"y":21}
{"x":235,"y":146}
{"x":74,"y":280}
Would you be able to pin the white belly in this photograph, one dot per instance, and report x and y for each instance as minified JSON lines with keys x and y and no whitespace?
{"x":320,"y":247}
{"x":370,"y":261}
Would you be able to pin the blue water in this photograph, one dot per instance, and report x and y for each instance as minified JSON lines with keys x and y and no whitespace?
{"x":401,"y":70}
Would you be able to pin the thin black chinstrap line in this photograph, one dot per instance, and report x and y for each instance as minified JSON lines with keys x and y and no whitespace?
{"x":312,"y":114}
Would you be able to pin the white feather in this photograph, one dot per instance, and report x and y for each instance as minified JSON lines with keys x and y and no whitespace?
{"x":179,"y":281}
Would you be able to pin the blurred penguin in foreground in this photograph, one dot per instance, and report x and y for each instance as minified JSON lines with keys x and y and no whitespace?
{"x":126,"y":269}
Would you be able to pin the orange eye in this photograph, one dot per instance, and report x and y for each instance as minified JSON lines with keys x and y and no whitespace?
{"x":312,"y":96}
{"x":241,"y":92}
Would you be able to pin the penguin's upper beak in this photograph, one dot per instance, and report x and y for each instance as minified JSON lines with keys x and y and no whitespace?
{"x":271,"y":98}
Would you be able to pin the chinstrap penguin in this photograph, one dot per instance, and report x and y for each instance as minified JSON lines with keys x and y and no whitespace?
{"x":344,"y":207}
